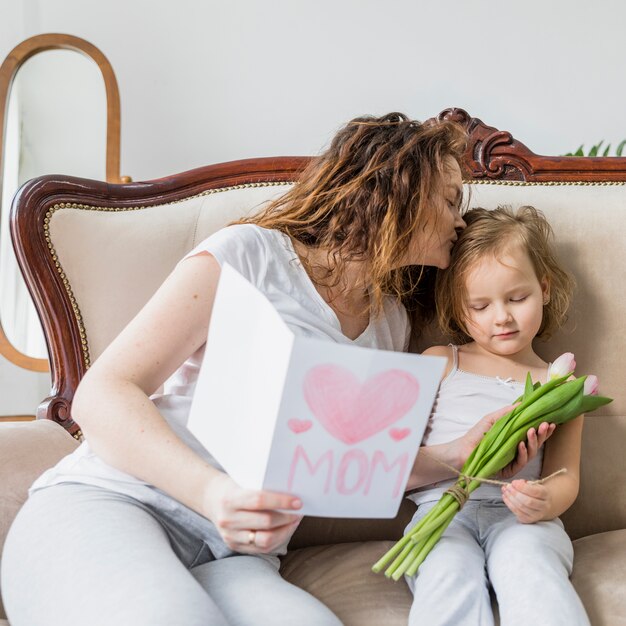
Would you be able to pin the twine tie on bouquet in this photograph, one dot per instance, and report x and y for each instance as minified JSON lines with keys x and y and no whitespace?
{"x":462,"y":494}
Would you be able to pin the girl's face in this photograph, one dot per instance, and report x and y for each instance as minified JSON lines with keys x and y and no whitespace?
{"x":505,"y":302}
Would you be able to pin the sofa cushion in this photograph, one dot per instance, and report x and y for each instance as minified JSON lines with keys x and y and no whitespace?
{"x":26,"y":450}
{"x":340,"y":576}
{"x":599,"y":575}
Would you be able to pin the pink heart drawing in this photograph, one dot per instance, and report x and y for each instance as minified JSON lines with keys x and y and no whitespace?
{"x":299,"y":426}
{"x":352,"y":411}
{"x":398,"y":434}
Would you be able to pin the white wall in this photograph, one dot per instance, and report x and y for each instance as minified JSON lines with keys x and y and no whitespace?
{"x":203,"y":81}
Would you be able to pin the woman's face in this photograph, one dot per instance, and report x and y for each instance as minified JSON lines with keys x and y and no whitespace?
{"x":433,"y":239}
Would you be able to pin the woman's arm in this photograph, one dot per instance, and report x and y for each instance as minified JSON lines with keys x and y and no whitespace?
{"x":126,"y":430}
{"x":532,"y":502}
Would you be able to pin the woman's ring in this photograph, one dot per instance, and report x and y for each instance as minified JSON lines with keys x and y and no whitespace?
{"x":252,"y":537}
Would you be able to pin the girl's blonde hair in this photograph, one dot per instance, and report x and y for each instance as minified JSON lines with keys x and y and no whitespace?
{"x":363,"y":199}
{"x":493,"y":233}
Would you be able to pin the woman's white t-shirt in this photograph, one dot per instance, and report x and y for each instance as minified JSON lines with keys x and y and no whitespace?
{"x":267,"y":259}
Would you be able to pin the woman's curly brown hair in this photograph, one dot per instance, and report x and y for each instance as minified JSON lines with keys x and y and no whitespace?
{"x":363,"y":199}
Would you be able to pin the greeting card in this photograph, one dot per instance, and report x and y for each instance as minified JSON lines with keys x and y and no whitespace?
{"x":338,"y":425}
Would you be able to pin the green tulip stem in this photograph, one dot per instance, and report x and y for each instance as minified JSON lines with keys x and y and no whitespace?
{"x":399,"y":559}
{"x":406,"y":563}
{"x":390,"y":554}
{"x":427,"y":547}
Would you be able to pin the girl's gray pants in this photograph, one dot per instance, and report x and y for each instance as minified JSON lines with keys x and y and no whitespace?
{"x":528,"y":566}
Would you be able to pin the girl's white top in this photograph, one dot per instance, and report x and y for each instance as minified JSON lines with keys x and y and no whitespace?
{"x":463,"y":399}
{"x":267,"y":259}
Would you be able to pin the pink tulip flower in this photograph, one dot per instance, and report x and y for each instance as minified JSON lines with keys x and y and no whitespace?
{"x":565,"y":364}
{"x":591,"y":386}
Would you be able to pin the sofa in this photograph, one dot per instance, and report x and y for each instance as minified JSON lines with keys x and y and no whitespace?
{"x":92,"y":253}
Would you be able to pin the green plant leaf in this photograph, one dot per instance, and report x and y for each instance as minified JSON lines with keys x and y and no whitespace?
{"x":591,"y":403}
{"x":620,"y":148}
{"x":528,"y":387}
{"x":594,"y":150}
{"x":606,"y":150}
{"x":579,"y":152}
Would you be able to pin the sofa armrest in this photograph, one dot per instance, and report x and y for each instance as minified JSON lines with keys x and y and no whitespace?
{"x":27,"y":449}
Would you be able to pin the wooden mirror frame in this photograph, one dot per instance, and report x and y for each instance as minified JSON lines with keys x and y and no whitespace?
{"x":8,"y":70}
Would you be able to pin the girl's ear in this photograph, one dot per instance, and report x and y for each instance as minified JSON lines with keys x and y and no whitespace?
{"x":545,"y":289}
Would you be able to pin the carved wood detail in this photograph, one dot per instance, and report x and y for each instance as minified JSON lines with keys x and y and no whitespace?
{"x":493,"y":154}
{"x":58,"y":409}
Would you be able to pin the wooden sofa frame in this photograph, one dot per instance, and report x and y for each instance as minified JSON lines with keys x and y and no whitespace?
{"x":491,"y":155}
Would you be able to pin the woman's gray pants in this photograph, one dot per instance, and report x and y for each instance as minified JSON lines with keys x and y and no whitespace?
{"x":79,"y":555}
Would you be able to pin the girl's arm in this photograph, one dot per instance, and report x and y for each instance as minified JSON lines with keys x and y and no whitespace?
{"x":126,"y":430}
{"x":532,"y":502}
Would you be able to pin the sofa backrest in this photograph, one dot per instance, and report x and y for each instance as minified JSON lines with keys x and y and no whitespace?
{"x":115,"y":260}
{"x":93,"y":254}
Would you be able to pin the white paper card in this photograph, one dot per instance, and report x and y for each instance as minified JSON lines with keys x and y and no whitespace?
{"x":337,"y":425}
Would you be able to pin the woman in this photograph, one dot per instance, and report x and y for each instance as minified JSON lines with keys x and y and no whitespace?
{"x":140,"y":518}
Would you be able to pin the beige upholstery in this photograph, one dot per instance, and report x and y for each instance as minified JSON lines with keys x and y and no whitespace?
{"x":122,"y":257}
{"x":115,"y":260}
{"x":26,"y":450}
{"x":587,"y":223}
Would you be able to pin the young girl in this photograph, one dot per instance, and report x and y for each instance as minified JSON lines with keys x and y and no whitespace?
{"x":504,"y":287}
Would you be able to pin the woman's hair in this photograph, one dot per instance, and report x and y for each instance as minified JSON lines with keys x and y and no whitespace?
{"x":363,"y":199}
{"x":494,"y":233}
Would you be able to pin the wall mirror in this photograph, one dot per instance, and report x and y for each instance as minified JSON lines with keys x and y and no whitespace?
{"x":59,"y":114}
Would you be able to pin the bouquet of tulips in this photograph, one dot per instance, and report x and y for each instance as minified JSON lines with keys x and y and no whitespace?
{"x":557,"y":401}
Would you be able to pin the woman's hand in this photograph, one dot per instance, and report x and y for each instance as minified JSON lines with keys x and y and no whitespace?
{"x":248,"y":520}
{"x":529,"y":502}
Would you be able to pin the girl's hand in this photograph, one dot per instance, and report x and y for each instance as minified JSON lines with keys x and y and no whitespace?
{"x":248,"y":520}
{"x":529,"y":502}
{"x":527,"y":451}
